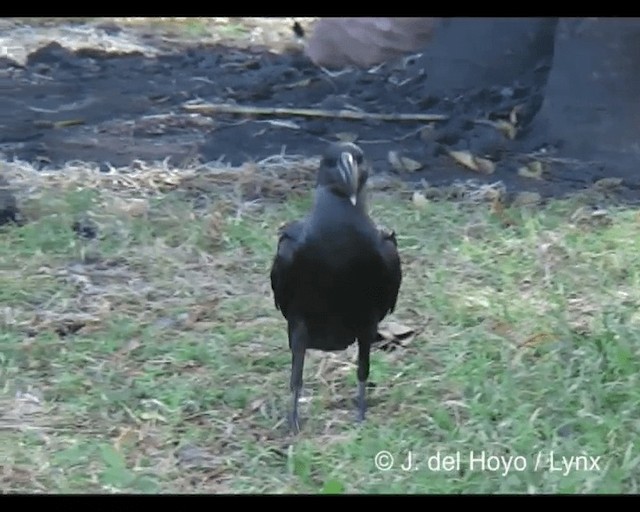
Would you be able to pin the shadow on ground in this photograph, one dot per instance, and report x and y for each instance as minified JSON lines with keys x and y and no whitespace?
{"x":114,"y":109}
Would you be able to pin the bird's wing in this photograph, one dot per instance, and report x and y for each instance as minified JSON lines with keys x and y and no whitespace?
{"x":389,"y":251}
{"x":289,"y":236}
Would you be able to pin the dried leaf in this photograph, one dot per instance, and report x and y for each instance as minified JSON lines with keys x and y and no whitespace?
{"x":532,"y":170}
{"x":174,"y":179}
{"x":126,"y":437}
{"x":131,"y":345}
{"x":394,"y":160}
{"x":257,"y":404}
{"x":410,"y":164}
{"x":474,"y":163}
{"x":465,"y":158}
{"x":507,"y":128}
{"x":497,"y":209}
{"x":301,"y":83}
{"x":537,"y":339}
{"x":527,"y":199}
{"x":205,"y":326}
{"x":201,"y":312}
{"x":132,"y":207}
{"x":497,"y":206}
{"x":393,"y":335}
{"x":214,"y":227}
{"x":501,"y":328}
{"x":347,"y":136}
{"x":588,"y":215}
{"x":153,"y":416}
{"x":69,"y":326}
{"x":485,"y":166}
{"x":399,"y":330}
{"x":419,"y":200}
{"x":580,"y":214}
{"x":402,"y":163}
{"x":513,"y":115}
{"x":196,"y":457}
{"x":608,"y":183}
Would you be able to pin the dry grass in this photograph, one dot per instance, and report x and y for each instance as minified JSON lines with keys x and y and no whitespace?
{"x":151,"y":358}
{"x":21,"y":36}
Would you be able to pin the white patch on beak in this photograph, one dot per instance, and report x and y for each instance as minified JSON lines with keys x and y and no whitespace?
{"x":345,"y":165}
{"x":353,"y":199}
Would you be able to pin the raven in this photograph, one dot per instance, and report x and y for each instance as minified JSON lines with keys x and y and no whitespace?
{"x":335,"y":274}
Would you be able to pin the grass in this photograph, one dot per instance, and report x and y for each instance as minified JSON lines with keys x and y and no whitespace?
{"x":239,"y":29}
{"x":149,"y":36}
{"x":151,"y":359}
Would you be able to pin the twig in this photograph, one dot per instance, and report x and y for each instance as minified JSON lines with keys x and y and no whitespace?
{"x":226,"y":108}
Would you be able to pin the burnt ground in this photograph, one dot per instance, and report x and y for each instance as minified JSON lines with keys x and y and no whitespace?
{"x":113,"y":109}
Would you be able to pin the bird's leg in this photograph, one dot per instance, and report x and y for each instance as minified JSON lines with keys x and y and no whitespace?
{"x":297,"y":364}
{"x":298,"y":347}
{"x":364,"y":348}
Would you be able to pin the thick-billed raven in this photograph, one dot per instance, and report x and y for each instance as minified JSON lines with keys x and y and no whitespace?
{"x":335,"y":275}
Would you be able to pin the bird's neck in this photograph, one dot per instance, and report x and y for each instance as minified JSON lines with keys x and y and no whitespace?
{"x":328,"y":204}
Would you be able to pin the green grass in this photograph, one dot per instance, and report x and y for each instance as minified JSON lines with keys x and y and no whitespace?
{"x":176,"y":377}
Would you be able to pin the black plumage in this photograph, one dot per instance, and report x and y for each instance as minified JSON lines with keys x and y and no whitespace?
{"x":336,"y":275}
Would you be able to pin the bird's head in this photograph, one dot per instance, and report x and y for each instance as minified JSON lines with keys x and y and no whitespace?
{"x":342,"y":171}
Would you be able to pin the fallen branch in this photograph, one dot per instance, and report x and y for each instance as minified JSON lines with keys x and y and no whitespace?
{"x":226,"y":108}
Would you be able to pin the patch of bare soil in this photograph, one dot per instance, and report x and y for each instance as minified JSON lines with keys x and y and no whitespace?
{"x":120,"y":91}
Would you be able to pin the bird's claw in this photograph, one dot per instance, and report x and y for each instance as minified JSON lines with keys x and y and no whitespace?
{"x":294,"y":423}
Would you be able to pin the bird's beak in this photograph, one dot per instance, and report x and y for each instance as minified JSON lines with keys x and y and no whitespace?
{"x":351,"y":174}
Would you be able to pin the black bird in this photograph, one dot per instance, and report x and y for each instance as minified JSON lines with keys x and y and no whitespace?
{"x":336,"y":275}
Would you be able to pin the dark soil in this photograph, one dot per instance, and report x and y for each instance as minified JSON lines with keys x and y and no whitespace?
{"x":115,"y":109}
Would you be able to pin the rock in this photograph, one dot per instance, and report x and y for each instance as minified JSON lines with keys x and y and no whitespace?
{"x":365,"y":42}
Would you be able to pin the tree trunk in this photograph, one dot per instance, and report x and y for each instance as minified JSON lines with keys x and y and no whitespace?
{"x":591,"y":107}
{"x":469,"y":53}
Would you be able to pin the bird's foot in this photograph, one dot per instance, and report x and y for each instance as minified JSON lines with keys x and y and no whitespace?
{"x":294,"y":422}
